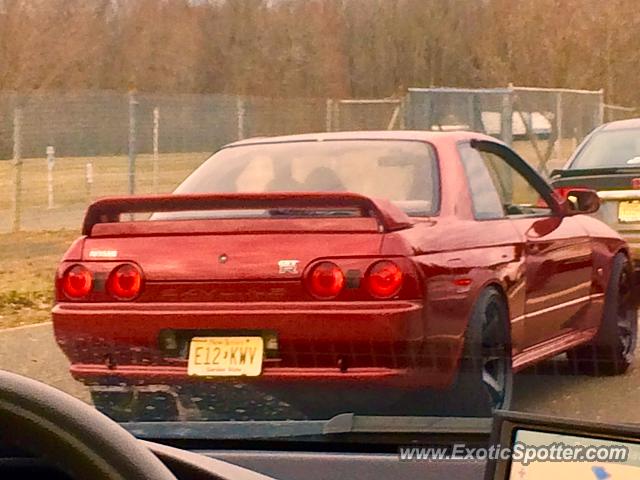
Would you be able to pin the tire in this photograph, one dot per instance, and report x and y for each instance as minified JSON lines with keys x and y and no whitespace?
{"x":486,"y":372}
{"x":612,"y":350}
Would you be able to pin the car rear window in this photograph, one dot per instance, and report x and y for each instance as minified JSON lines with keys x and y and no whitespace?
{"x":404,"y":172}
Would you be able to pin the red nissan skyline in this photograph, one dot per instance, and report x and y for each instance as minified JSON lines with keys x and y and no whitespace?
{"x":399,"y":259}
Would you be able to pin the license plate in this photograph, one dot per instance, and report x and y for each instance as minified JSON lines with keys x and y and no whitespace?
{"x":225,"y":356}
{"x":629,"y":212}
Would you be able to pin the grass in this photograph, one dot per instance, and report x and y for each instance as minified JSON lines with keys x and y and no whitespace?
{"x":28,"y":259}
{"x":71,"y":191}
{"x":27,"y":267}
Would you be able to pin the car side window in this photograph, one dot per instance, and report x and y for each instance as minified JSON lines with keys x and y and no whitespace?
{"x":485,"y":198}
{"x":517,"y":195}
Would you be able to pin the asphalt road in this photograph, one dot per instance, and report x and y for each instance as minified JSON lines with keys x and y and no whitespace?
{"x":551,"y":388}
{"x":32,"y":351}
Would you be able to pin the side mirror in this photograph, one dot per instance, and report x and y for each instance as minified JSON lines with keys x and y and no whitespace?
{"x":579,"y":200}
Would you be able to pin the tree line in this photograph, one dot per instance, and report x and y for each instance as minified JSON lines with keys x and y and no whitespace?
{"x":319,"y":48}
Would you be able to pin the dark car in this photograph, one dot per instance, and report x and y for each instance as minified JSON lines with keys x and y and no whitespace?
{"x":608,"y":161}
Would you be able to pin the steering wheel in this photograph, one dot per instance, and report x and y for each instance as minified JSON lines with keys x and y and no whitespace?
{"x":70,"y":434}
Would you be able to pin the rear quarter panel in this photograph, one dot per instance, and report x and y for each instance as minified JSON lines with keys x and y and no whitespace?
{"x":456,"y":261}
{"x":606,"y":244}
{"x":456,"y":248}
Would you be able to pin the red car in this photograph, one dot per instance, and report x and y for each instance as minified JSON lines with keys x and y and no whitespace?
{"x":412,"y":260}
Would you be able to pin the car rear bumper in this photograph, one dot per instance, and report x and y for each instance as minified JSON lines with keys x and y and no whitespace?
{"x":630,"y":231}
{"x":124,"y":376}
{"x":382,"y":342}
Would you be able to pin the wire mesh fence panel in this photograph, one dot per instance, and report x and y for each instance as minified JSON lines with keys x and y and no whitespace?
{"x":60,"y":151}
{"x":188,"y":122}
{"x":458,"y":109}
{"x":80,"y":124}
{"x":6,"y":126}
{"x":282,"y":116}
{"x":554,"y":121}
{"x":383,"y":114}
{"x":614,"y":113}
{"x":543,"y":125}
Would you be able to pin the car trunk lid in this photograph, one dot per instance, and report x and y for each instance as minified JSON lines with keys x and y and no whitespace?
{"x":305,"y":227}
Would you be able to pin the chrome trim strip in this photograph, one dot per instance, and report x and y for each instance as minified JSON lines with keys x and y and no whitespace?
{"x":619,"y":194}
{"x":570,"y":303}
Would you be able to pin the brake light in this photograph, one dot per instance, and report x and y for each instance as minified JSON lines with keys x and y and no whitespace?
{"x":77,"y":282}
{"x":384,"y":279}
{"x":325,"y":280}
{"x":125,"y":282}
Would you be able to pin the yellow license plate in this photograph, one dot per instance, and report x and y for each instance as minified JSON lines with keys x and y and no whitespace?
{"x":629,"y":212}
{"x":225,"y":356}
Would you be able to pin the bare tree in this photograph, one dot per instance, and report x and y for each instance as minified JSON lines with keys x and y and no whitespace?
{"x":319,"y":48}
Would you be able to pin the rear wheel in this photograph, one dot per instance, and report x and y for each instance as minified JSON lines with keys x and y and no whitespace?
{"x":612,"y":351}
{"x":486,"y":365}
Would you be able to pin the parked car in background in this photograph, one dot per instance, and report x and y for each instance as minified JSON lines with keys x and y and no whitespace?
{"x":608,"y":160}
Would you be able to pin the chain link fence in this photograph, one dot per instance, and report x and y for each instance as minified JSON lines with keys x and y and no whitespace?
{"x":543,"y":125}
{"x":58,"y":152}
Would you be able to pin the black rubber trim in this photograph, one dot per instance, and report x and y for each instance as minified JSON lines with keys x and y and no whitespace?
{"x":522,"y":167}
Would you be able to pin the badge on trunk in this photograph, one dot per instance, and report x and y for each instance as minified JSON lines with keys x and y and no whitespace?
{"x":288,"y":267}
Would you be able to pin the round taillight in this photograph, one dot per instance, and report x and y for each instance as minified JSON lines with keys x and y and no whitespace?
{"x":326,"y":280}
{"x":125,"y":282}
{"x":384,"y":279}
{"x":77,"y":282}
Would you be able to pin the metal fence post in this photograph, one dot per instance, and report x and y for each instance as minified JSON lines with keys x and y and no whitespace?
{"x":506,"y":118}
{"x":471,"y":118}
{"x":132,"y":141}
{"x":17,"y":168}
{"x":506,"y":134}
{"x":428,"y":113}
{"x":241,"y":109}
{"x":329,"y":115}
{"x":475,"y":112}
{"x":156,"y":147}
{"x":335,"y":116}
{"x":559,"y":121}
{"x":600,"y":114}
{"x":51,"y":161}
{"x":89,"y":180}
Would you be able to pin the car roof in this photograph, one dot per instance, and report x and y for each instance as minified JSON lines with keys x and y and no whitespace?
{"x":622,"y":124}
{"x":415,"y":135}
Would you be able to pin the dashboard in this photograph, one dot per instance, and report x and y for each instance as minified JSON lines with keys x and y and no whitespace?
{"x":256,"y":465}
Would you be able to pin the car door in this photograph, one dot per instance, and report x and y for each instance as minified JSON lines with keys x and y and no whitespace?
{"x":557,"y":253}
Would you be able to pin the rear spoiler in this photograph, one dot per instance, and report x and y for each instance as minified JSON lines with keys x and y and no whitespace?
{"x":108,"y":210}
